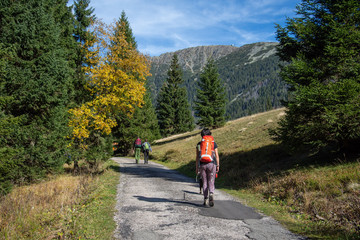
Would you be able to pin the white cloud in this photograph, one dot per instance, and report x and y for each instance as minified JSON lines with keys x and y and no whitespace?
{"x":169,"y":25}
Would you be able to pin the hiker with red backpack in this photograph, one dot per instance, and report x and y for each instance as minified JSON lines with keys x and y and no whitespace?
{"x":207,"y":164}
{"x":137,"y":148}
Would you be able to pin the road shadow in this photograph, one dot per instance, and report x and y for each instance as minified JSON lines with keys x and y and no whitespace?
{"x":152,"y":171}
{"x":227,"y":209}
{"x":115,"y":168}
{"x":189,"y":192}
{"x":224,"y":209}
{"x":166,"y":200}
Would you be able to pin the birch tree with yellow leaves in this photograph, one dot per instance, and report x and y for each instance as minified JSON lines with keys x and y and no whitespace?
{"x":116,"y":79}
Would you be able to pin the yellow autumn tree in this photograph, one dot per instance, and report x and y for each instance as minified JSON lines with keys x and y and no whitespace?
{"x":115,"y":79}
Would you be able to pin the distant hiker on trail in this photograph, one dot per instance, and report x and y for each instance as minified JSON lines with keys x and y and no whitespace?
{"x":146,"y":148}
{"x":137,"y":149}
{"x":207,"y":163}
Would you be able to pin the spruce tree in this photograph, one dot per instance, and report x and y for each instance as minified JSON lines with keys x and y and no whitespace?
{"x":124,"y":28}
{"x":84,"y":17}
{"x":210,"y":103}
{"x":34,"y":92}
{"x":322,"y":47}
{"x":165,"y":111}
{"x":65,"y":19}
{"x":173,"y":109}
{"x":142,"y":124}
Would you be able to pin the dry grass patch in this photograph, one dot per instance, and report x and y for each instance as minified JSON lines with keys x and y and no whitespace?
{"x":65,"y":207}
{"x":239,"y":135}
{"x":325,"y":194}
{"x":37,"y":211}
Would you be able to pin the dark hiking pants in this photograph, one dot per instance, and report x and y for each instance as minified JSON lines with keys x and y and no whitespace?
{"x":146,"y":156}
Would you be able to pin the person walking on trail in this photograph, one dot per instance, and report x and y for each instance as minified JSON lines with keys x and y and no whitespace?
{"x":137,"y":149}
{"x":207,"y":164}
{"x":146,"y":149}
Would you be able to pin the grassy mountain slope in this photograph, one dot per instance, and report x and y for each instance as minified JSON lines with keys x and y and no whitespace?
{"x":249,"y":73}
{"x":311,"y":195}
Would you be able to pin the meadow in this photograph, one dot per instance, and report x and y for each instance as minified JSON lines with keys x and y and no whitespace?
{"x":313,"y":194}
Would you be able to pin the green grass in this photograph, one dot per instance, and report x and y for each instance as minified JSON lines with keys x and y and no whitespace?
{"x":94,"y":218}
{"x":313,"y":195}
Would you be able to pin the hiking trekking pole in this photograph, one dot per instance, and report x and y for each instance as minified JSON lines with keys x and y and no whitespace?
{"x":197,"y":175}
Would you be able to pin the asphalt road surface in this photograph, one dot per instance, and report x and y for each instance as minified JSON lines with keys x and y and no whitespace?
{"x":154,"y":202}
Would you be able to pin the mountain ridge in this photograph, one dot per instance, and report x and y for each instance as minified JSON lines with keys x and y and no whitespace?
{"x":202,"y":54}
{"x":249,"y":73}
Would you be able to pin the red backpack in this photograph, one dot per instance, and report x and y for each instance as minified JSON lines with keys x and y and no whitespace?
{"x":207,"y":149}
{"x":138,"y":143}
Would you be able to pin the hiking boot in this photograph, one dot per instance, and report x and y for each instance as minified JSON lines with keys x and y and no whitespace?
{"x":211,"y":200}
{"x":206,"y":202}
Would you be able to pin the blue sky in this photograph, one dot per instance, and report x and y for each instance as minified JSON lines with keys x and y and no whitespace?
{"x":161,"y":26}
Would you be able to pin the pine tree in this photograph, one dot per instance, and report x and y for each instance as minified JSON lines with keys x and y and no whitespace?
{"x":322,"y":46}
{"x":150,"y":125}
{"x":84,"y":17}
{"x":165,"y":111}
{"x":210,"y":103}
{"x":173,"y":109}
{"x":65,"y":19}
{"x":143,"y":122}
{"x":124,"y":28}
{"x":34,"y":92}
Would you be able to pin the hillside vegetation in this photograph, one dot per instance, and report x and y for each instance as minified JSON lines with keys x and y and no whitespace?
{"x":250,"y":75}
{"x":315,"y":195}
{"x":62,"y":207}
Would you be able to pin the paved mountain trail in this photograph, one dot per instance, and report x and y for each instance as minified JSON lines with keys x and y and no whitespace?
{"x":154,"y":202}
